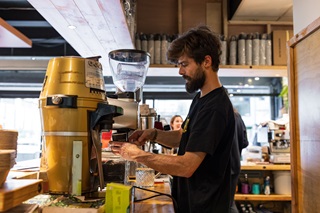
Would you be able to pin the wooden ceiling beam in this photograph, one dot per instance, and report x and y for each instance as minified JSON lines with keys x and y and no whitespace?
{"x":10,"y":37}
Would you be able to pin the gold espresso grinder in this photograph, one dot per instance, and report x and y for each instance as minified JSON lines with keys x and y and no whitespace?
{"x":74,"y":110}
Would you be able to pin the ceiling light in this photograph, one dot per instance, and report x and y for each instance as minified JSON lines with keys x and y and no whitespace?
{"x":72,"y":27}
{"x":257,"y":78}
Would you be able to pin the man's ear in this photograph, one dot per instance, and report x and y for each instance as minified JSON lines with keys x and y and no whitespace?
{"x":207,"y":62}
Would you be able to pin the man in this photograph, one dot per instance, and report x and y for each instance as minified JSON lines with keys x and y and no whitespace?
{"x":240,"y":141}
{"x":202,"y":168}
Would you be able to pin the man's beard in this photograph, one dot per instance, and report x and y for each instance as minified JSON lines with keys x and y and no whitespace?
{"x":195,"y":83}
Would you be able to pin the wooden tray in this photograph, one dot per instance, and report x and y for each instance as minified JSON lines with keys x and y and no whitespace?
{"x":8,"y":139}
{"x":14,"y":192}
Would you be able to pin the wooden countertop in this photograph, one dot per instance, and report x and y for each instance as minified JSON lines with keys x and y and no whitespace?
{"x":154,"y":205}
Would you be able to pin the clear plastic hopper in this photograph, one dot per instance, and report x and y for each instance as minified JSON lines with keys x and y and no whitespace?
{"x":129,"y":68}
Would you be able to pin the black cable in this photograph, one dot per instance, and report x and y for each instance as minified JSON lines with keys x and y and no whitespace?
{"x":147,"y":198}
{"x":175,"y":205}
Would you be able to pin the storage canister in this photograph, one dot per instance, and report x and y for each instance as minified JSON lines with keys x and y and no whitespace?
{"x":282,"y":182}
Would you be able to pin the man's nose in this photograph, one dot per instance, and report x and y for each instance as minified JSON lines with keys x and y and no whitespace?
{"x":181,"y":70}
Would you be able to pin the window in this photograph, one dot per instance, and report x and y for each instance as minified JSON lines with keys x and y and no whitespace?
{"x":23,"y":115}
{"x":253,"y":109}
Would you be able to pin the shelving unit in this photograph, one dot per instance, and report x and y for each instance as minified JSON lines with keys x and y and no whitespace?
{"x":262,"y":197}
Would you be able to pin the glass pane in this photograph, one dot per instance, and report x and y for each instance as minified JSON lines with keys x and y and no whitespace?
{"x":23,"y":115}
{"x":253,"y":109}
{"x":168,"y":108}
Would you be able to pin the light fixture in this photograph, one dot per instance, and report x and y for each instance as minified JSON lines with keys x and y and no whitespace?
{"x":72,"y":27}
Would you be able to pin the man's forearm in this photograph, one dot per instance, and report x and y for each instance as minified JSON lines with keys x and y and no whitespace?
{"x":168,"y":138}
{"x":165,"y":164}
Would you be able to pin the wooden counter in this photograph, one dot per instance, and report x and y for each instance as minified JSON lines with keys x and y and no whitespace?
{"x":154,"y":205}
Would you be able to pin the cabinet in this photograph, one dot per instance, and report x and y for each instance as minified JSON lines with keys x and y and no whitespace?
{"x":304,"y":107}
{"x":283,"y":201}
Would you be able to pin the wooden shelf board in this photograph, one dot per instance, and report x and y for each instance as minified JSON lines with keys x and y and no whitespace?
{"x":266,"y":167}
{"x":225,"y":71}
{"x":236,"y":22}
{"x":272,"y":197}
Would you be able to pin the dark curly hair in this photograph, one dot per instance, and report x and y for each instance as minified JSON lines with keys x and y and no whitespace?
{"x":196,"y":43}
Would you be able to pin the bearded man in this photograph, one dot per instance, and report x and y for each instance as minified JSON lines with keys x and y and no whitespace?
{"x":201,"y":171}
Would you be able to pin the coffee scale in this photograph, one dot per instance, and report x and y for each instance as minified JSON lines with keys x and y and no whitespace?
{"x":75,"y":110}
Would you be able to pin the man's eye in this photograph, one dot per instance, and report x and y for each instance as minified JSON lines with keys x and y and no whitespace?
{"x":182,"y":64}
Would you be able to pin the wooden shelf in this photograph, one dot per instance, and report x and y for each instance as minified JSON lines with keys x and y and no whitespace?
{"x":266,"y":167}
{"x":235,"y":27}
{"x":225,"y":71}
{"x":272,"y":197}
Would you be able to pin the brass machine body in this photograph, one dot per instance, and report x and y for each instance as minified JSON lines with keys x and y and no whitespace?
{"x":72,"y":90}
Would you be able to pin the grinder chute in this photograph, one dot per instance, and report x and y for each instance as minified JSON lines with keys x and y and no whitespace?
{"x":74,"y":110}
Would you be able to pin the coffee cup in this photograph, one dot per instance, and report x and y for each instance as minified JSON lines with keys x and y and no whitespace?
{"x":255,"y":188}
{"x":245,"y":188}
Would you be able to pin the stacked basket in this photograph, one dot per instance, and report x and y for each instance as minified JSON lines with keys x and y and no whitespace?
{"x":8,"y":152}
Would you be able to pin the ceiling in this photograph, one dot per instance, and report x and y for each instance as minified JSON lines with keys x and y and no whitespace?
{"x":261,"y":10}
{"x":51,"y":37}
{"x":46,"y":41}
{"x":101,"y":25}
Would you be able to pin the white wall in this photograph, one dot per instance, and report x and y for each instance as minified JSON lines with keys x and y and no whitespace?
{"x":304,"y":12}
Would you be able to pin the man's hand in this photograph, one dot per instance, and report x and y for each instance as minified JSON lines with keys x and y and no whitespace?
{"x":140,"y":137}
{"x":128,"y":151}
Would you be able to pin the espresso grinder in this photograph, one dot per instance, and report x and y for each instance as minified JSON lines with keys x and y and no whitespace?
{"x":74,"y":110}
{"x":129,"y":70}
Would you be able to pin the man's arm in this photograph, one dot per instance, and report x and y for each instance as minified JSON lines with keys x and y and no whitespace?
{"x":169,"y":138}
{"x":166,"y":138}
{"x":182,"y":165}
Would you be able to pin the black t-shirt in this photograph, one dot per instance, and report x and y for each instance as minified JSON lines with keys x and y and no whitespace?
{"x":209,"y":128}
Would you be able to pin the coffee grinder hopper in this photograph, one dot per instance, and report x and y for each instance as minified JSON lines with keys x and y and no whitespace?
{"x":129,"y":68}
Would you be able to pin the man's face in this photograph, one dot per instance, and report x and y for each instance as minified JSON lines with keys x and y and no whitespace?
{"x":192,"y":73}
